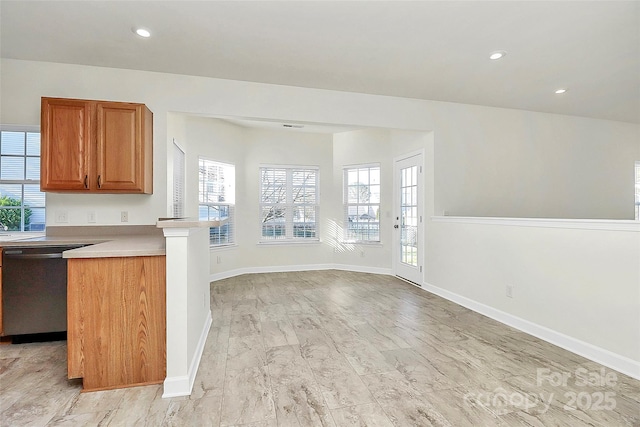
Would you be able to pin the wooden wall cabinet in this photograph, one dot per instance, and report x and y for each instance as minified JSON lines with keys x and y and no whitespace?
{"x":96,"y":146}
{"x":116,"y":321}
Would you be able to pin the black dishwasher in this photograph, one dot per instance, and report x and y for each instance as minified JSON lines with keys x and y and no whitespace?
{"x":34,"y":289}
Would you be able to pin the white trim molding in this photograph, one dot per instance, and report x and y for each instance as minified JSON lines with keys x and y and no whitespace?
{"x":597,"y":354}
{"x":582,"y":224}
{"x":289,"y":268}
{"x":175,"y":386}
{"x":183,"y":385}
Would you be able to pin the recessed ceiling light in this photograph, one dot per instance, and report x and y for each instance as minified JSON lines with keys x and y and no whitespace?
{"x":142,"y":32}
{"x":559,"y":91}
{"x":497,"y":54}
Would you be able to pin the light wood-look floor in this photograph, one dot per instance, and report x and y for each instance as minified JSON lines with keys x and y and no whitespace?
{"x":336,"y":348}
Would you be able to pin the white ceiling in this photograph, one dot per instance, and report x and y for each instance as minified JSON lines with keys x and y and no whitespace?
{"x":435,"y":50}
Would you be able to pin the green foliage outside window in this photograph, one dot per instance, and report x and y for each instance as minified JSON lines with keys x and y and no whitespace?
{"x":11,"y":217}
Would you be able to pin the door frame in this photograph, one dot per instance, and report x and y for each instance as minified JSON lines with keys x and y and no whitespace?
{"x":395,"y":245}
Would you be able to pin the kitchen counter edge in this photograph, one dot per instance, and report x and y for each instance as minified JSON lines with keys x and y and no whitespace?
{"x":98,"y":246}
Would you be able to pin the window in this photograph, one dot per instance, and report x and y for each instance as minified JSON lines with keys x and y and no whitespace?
{"x":289,"y":203}
{"x":362,"y":203}
{"x":217,"y":189}
{"x":637,"y":191}
{"x":22,"y":203}
{"x":178,"y":180}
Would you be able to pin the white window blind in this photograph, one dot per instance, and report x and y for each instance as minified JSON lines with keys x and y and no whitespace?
{"x":22,"y":204}
{"x":217,"y":196}
{"x":289,"y":203}
{"x":362,"y":203}
{"x":178,"y":181}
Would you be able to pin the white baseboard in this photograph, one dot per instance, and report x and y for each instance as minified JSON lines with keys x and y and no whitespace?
{"x":600,"y":355}
{"x":289,"y":268}
{"x":176,"y":386}
{"x":182,"y":385}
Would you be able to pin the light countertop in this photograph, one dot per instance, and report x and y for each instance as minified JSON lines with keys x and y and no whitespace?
{"x":186,"y":223}
{"x":105,"y":241}
{"x":98,"y":246}
{"x":121,"y":246}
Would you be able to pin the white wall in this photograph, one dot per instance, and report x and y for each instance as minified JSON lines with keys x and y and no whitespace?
{"x":582,"y":283}
{"x":479,"y":154}
{"x":247,"y":149}
{"x":352,"y":149}
{"x":574,"y":167}
{"x":510,"y":163}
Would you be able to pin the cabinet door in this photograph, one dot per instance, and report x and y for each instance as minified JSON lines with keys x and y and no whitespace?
{"x":117,"y":321}
{"x":66,"y":143}
{"x":122,"y":152}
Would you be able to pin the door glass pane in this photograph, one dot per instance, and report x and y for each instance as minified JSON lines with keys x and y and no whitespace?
{"x":409,"y":220}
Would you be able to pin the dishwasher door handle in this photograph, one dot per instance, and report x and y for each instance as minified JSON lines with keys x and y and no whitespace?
{"x":33,"y":256}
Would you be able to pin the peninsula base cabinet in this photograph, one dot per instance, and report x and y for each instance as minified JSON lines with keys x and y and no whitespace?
{"x":116,"y":321}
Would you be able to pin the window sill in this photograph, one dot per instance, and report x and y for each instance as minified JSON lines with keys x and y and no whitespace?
{"x":361,"y":242}
{"x":290,"y":242}
{"x":223,"y":247}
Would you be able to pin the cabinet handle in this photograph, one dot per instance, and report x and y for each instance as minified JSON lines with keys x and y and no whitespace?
{"x":99,"y":185}
{"x":86,"y":182}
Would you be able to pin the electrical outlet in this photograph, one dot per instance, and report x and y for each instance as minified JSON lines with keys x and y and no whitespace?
{"x":62,"y":216}
{"x":124,"y":216}
{"x":219,"y":260}
{"x":91,"y":216}
{"x":362,"y":254}
{"x":510,"y":291}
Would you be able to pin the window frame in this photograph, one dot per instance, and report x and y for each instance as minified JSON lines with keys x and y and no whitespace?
{"x":346,"y":204}
{"x":228,"y":206}
{"x":179,"y":179}
{"x":289,"y":206}
{"x":26,"y":181}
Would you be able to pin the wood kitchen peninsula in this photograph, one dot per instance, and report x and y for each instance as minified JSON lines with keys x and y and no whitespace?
{"x":116,"y":311}
{"x":138,"y":302}
{"x":116,"y":306}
